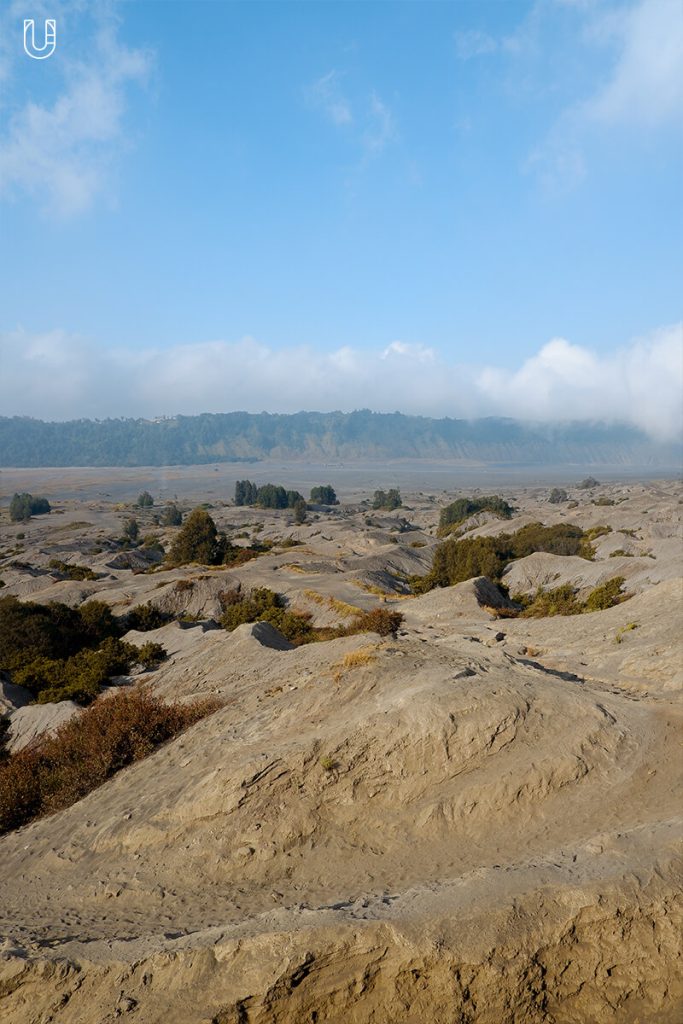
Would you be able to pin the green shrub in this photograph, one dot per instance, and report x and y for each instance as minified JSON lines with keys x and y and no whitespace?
{"x":146,"y":617}
{"x":61,"y":768}
{"x":558,"y":601}
{"x":145,"y":500}
{"x":387,"y":500}
{"x":589,"y":482}
{"x":324,"y":495}
{"x":172,"y":516}
{"x":455,"y":560}
{"x":606,"y":595}
{"x":264,"y":605}
{"x":197,"y":541}
{"x":458,"y":511}
{"x":23,"y":506}
{"x":73,"y":572}
{"x":603,"y":500}
{"x":557,"y":496}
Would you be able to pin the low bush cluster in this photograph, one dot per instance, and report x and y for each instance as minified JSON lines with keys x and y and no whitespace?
{"x":564,"y":600}
{"x":23,"y":506}
{"x":458,"y":560}
{"x":387,"y":500}
{"x":266,"y":496}
{"x":458,"y":511}
{"x":62,"y":653}
{"x":72,"y":572}
{"x":61,"y":768}
{"x":264,"y":605}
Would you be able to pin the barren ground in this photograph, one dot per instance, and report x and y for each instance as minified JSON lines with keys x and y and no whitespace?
{"x":478,"y":820}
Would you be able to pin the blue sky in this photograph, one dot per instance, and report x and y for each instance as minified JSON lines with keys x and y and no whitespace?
{"x":469,"y":206}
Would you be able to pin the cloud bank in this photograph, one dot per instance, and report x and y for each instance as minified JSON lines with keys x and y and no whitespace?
{"x":60,"y":376}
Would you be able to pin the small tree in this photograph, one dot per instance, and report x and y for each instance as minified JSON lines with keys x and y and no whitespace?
{"x":589,"y":482}
{"x":131,"y":530}
{"x":387,"y":500}
{"x":300,"y":511}
{"x":557,"y":496}
{"x":197,"y":541}
{"x":172,"y":516}
{"x":23,"y":506}
{"x":145,"y":500}
{"x":324,"y":495}
{"x":246,"y":492}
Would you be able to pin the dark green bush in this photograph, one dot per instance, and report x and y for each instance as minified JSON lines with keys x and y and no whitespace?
{"x":146,"y":617}
{"x":145,"y":500}
{"x":197,"y":541}
{"x":172,"y":516}
{"x":23,"y":506}
{"x":387,"y":500}
{"x":73,"y":572}
{"x":458,"y":511}
{"x":557,"y":496}
{"x":324,"y":494}
{"x":457,"y":560}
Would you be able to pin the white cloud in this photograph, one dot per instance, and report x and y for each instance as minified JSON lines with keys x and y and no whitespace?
{"x":371,"y":121}
{"x":326,"y":94}
{"x":646,"y":82}
{"x":60,"y":376}
{"x":381,"y":126}
{"x":474,"y":43}
{"x":60,"y":151}
{"x":642,"y":89}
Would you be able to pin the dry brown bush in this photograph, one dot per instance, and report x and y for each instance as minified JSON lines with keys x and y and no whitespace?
{"x":61,"y":768}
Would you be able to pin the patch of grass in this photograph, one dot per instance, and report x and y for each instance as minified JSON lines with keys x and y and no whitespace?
{"x":333,"y":603}
{"x":619,"y":636}
{"x":328,"y":763}
{"x":115,"y":731}
{"x":620,"y":553}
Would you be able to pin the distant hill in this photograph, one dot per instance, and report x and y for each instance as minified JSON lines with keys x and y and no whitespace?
{"x":240,"y":436}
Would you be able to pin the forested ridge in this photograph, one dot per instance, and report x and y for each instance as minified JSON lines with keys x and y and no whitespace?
{"x":241,"y":436}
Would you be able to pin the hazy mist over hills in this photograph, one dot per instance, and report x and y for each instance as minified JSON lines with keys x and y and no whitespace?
{"x":236,"y":436}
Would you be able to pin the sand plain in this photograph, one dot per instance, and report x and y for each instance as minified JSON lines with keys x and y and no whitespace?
{"x":478,"y":820}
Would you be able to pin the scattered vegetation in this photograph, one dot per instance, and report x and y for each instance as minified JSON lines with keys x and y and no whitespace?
{"x":458,"y":560}
{"x":387,"y":500}
{"x":264,"y":605}
{"x":23,"y":506}
{"x":62,"y":768}
{"x":564,"y":600}
{"x":72,"y":572}
{"x":603,"y":500}
{"x":457,"y":512}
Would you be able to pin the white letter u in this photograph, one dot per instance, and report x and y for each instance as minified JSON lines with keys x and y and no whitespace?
{"x":48,"y":47}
